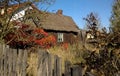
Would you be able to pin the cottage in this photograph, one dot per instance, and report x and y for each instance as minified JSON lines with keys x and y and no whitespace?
{"x":61,"y":26}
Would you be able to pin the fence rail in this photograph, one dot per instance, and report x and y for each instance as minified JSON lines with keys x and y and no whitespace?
{"x":14,"y":62}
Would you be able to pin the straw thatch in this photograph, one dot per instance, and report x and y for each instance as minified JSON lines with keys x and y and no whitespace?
{"x":59,"y":22}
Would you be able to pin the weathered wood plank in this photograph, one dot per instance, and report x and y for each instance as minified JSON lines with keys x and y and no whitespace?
{"x":14,"y":59}
{"x":1,"y":50}
{"x":1,"y":60}
{"x":42,"y":63}
{"x":24,"y":64}
{"x":39,"y":73}
{"x":2,"y":65}
{"x":45,"y":68}
{"x":67,"y":68}
{"x":5,"y":61}
{"x":14,"y":63}
{"x":76,"y":70}
{"x":50,"y":65}
{"x":57,"y":66}
{"x":10,"y":62}
{"x":19,"y":62}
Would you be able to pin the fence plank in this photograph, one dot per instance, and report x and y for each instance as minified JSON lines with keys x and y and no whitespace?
{"x":2,"y":65}
{"x":5,"y":62}
{"x":14,"y":59}
{"x":24,"y":64}
{"x":1,"y":60}
{"x":41,"y":63}
{"x":49,"y":65}
{"x":57,"y":66}
{"x":76,"y":70}
{"x":44,"y":63}
{"x":9,"y":61}
{"x":12,"y":72}
{"x":1,"y":50}
{"x":67,"y":68}
{"x":14,"y":63}
{"x":19,"y":62}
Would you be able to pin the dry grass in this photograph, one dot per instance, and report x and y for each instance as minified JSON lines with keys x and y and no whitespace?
{"x":73,"y":53}
{"x":32,"y":64}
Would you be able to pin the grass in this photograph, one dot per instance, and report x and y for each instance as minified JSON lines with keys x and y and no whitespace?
{"x":73,"y":53}
{"x":33,"y":64}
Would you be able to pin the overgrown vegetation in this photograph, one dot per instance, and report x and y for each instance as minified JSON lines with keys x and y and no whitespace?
{"x":106,"y":62}
{"x":115,"y":18}
{"x":101,"y":60}
{"x":72,"y":53}
{"x":25,"y":38}
{"x":19,"y":32}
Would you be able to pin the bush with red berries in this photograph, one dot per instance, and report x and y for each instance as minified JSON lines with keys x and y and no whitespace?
{"x":23,"y":37}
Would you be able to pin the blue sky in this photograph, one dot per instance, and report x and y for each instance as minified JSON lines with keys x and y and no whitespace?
{"x":78,"y":9}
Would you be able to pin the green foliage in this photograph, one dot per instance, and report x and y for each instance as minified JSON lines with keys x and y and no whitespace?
{"x":115,"y":18}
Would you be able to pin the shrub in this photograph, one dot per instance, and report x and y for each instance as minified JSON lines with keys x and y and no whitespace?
{"x":24,"y":37}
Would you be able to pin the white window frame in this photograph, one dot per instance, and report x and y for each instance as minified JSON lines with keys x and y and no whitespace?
{"x":2,"y":11}
{"x":60,"y":37}
{"x":90,"y":36}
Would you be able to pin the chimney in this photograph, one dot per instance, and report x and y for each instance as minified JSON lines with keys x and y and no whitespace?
{"x":59,"y":12}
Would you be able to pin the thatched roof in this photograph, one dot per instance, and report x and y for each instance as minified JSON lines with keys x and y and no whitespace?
{"x":59,"y":22}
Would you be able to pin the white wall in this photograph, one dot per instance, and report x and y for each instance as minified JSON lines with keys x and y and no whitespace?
{"x":20,"y":14}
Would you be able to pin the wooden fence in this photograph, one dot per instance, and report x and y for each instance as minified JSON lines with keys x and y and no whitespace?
{"x":15,"y":63}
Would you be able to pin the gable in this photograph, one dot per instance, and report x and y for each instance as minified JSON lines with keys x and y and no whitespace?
{"x":20,"y":13}
{"x":18,"y":10}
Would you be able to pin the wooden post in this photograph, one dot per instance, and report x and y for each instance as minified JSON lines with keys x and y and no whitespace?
{"x":24,"y":62}
{"x":45,"y":66}
{"x":42,"y":63}
{"x":57,"y":66}
{"x":1,"y":60}
{"x":10,"y":62}
{"x":5,"y":62}
{"x":1,"y":50}
{"x":76,"y":70}
{"x":19,"y":62}
{"x":14,"y":59}
{"x":67,"y":68}
{"x":49,"y":65}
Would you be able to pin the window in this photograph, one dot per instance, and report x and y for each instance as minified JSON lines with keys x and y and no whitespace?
{"x":60,"y":37}
{"x":90,"y":36}
{"x":2,"y":11}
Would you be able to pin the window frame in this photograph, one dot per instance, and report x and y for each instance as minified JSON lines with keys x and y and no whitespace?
{"x":60,"y":37}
